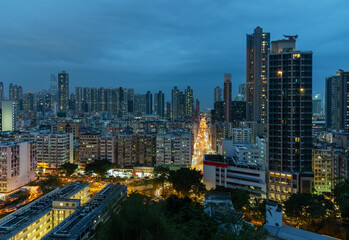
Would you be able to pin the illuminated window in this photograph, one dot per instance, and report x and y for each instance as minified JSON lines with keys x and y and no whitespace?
{"x":279,"y":73}
{"x":297,"y":139}
{"x":296,"y":56}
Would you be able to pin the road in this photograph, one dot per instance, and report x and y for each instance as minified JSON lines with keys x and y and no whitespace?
{"x":202,"y":144}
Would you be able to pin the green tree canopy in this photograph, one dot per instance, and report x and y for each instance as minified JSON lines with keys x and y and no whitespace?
{"x":99,"y":167}
{"x":68,"y":168}
{"x":187,"y":181}
{"x":307,"y":207}
{"x":341,"y":196}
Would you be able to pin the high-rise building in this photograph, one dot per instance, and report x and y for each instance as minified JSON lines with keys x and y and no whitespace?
{"x":8,"y":116}
{"x":18,"y":164}
{"x":159,"y":104}
{"x":217,"y":95}
{"x":130,"y":100}
{"x":148,"y":103}
{"x":15,"y":93}
{"x":28,"y":101}
{"x":101,"y":100}
{"x":189,"y":102}
{"x":168,"y":111}
{"x":175,"y":103}
{"x":86,"y":100}
{"x":78,"y":99}
{"x":337,"y":101}
{"x":139,"y":103}
{"x":1,"y":91}
{"x":227,"y":97}
{"x":258,"y":47}
{"x":63,"y":91}
{"x":317,"y":104}
{"x":94,"y":100}
{"x":289,"y":120}
{"x":54,"y":149}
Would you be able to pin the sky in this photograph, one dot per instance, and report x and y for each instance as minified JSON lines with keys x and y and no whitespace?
{"x":158,"y":44}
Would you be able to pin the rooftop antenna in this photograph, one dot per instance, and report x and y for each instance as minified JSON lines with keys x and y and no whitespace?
{"x":291,"y":37}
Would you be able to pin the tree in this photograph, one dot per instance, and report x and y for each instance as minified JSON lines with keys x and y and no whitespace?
{"x":256,"y":212}
{"x":99,"y":167}
{"x":307,"y":207}
{"x":341,"y":196}
{"x":139,"y":218}
{"x":239,"y":197}
{"x":50,"y":182}
{"x":187,"y":181}
{"x":68,"y":168}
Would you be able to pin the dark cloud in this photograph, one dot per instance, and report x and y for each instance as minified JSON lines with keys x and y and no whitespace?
{"x":157,"y":44}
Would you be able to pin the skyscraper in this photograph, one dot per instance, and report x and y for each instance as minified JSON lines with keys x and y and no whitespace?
{"x":78,"y":99}
{"x":63,"y":91}
{"x":94,"y":100}
{"x":337,"y":101}
{"x":101,"y":100}
{"x":189,"y":102}
{"x":86,"y":101}
{"x":317,"y":104}
{"x":148,"y":103}
{"x":227,"y":97}
{"x":217,"y":95}
{"x":7,"y":116}
{"x":258,"y":45}
{"x":159,"y":104}
{"x":175,"y":103}
{"x":289,"y":120}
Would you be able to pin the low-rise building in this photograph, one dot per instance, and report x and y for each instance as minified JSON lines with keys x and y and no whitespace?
{"x":38,"y":218}
{"x":84,"y":220}
{"x":227,"y":172}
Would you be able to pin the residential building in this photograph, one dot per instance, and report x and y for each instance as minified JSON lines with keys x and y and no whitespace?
{"x":258,"y":47}
{"x":148,"y":103}
{"x":159,"y":104}
{"x":289,"y":120}
{"x":227,"y":97}
{"x":63,"y":91}
{"x":38,"y":218}
{"x":337,"y":101}
{"x":217,"y":95}
{"x":18,"y":163}
{"x":8,"y":116}
{"x":88,"y":148}
{"x":189,"y":103}
{"x":53,"y":150}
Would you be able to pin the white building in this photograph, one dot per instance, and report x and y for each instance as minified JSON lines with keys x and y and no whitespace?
{"x":242,"y":135}
{"x":18,"y":163}
{"x":54,"y":149}
{"x":7,"y":116}
{"x":229,"y":173}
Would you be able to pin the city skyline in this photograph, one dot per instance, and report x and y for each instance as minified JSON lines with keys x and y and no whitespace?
{"x":159,"y":52}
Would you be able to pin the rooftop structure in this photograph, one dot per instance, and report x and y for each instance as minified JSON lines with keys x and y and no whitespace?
{"x":83,"y":220}
{"x":27,"y":221}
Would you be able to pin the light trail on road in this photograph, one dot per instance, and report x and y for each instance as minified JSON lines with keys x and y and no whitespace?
{"x":202,"y":144}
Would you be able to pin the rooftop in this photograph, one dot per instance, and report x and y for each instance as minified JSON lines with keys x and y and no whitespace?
{"x":23,"y":217}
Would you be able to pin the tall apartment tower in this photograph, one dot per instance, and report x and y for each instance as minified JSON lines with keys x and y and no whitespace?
{"x":189,"y":102}
{"x":63,"y":91}
{"x":227,"y":97}
{"x":148,"y":103}
{"x":337,"y":101}
{"x":217,"y":95}
{"x":78,"y":99}
{"x":94,"y":100}
{"x":86,"y":100}
{"x":258,"y":47}
{"x":7,"y":116}
{"x":175,"y":103}
{"x":159,"y":104}
{"x":289,"y":120}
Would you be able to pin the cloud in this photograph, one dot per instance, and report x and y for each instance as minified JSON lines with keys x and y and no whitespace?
{"x":157,"y":44}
